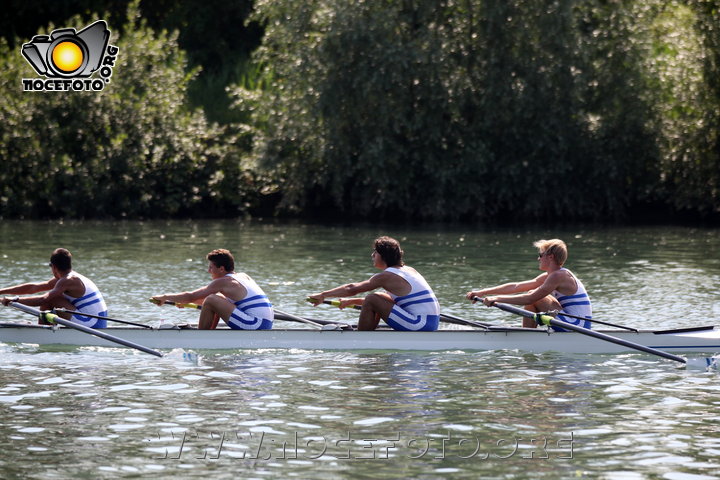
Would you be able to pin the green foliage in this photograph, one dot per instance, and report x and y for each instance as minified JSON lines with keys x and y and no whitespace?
{"x":213,"y":33}
{"x":133,"y":150}
{"x":395,"y":109}
{"x":692,"y":123}
{"x":216,"y":37}
{"x":475,"y":109}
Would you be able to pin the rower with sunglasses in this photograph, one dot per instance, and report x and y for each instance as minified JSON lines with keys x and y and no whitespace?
{"x":557,"y":289}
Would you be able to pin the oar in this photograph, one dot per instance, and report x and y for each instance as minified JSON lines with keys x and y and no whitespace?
{"x":52,"y":318}
{"x":334,"y":303}
{"x":555,"y":312}
{"x":445,"y":317}
{"x":280,"y":315}
{"x":73,"y":312}
{"x":322,"y":324}
{"x":179,"y":305}
{"x":470,"y":323}
{"x":548,"y":320}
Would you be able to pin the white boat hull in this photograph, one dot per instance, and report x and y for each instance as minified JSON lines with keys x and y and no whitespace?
{"x":530,"y":340}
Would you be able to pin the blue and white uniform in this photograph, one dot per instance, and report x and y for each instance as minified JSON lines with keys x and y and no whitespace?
{"x":577,"y":304}
{"x":91,"y":302}
{"x":417,"y":311}
{"x":254,"y":312}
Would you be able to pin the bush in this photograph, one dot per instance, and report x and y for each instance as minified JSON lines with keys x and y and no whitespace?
{"x":475,"y":109}
{"x":133,"y":150}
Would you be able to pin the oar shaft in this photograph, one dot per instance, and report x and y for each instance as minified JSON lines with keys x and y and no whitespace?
{"x":91,"y":331}
{"x":461,"y":321}
{"x":73,"y":312}
{"x":280,"y":315}
{"x":548,"y":320}
{"x":592,"y":320}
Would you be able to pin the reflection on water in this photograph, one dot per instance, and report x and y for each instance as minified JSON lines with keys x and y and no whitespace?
{"x":104,"y":413}
{"x":329,"y":414}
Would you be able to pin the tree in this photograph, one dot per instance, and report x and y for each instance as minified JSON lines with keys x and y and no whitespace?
{"x":456,"y":109}
{"x":133,"y":150}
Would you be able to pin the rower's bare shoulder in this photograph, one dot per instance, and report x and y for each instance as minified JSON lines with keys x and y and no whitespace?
{"x":68,"y":282}
{"x":219,"y":283}
{"x":563,"y":281}
{"x":71,"y":285}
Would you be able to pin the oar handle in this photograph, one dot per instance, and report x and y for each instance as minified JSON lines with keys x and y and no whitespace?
{"x":334,"y":303}
{"x":179,"y":305}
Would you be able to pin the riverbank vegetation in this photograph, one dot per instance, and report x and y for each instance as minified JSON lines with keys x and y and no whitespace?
{"x":416,"y":110}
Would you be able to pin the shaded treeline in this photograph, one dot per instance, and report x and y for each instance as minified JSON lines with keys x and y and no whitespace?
{"x":402,"y":109}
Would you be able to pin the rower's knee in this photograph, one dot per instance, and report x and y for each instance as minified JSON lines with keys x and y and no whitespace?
{"x":372,"y":298}
{"x":212,"y":301}
{"x":545,"y":304}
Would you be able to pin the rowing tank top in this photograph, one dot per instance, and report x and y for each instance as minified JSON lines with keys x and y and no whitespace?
{"x":421,"y":300}
{"x":91,"y":302}
{"x":255,"y":304}
{"x":577,"y":304}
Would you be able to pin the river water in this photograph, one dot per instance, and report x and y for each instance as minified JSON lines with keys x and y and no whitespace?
{"x":116,"y":413}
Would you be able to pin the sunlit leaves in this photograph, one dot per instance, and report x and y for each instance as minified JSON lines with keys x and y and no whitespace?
{"x":476,"y":109}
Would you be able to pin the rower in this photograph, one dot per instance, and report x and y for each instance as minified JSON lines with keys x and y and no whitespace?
{"x":555,"y":289}
{"x":66,"y":290}
{"x":410,"y":303}
{"x":234,"y":297}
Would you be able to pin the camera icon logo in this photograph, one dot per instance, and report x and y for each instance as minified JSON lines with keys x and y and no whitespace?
{"x":66,"y":53}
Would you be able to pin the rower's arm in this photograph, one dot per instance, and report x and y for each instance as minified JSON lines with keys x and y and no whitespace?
{"x":55,"y":289}
{"x":349,"y":289}
{"x":196,"y":296}
{"x":507,"y":288}
{"x":29,"y":288}
{"x":545,"y":288}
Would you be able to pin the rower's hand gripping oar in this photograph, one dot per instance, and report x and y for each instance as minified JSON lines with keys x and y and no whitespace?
{"x":335,"y":303}
{"x":547,"y":320}
{"x":52,"y":318}
{"x":179,"y":305}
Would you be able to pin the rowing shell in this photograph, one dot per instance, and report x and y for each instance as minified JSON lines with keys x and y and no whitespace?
{"x":698,"y":340}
